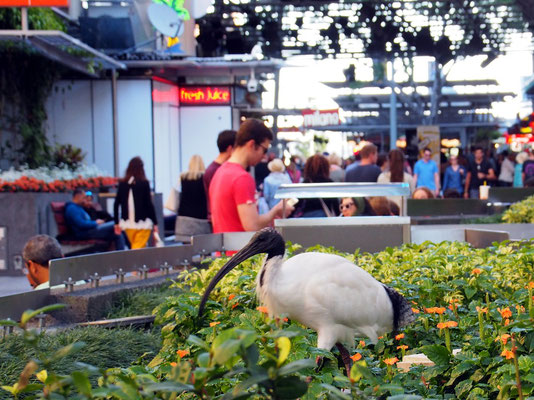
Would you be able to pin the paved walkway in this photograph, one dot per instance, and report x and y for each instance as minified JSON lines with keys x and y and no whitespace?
{"x":13,"y":284}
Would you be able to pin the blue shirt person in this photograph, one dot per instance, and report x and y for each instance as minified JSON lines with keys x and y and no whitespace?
{"x":426,"y":172}
{"x":454,"y":176}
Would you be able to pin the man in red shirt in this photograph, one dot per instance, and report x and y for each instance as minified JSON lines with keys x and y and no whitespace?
{"x":232,"y":191}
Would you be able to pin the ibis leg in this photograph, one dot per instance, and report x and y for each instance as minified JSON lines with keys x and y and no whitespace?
{"x":320,"y":363}
{"x":345,"y":356}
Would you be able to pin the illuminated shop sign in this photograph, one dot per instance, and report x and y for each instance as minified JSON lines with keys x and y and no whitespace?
{"x":205,"y":95}
{"x":34,"y":3}
{"x":314,"y":118}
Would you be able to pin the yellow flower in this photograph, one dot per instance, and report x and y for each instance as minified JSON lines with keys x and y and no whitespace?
{"x":476,"y":271}
{"x":263,"y":309}
{"x":399,"y":336}
{"x":391,"y":361}
{"x":212,"y":324}
{"x":356,"y":357}
{"x":447,"y":324}
{"x":182,"y":353}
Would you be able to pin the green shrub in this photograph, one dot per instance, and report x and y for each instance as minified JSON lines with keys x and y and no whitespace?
{"x":521,"y":212}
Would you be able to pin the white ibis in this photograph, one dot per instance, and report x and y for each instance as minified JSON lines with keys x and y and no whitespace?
{"x":322,"y":291}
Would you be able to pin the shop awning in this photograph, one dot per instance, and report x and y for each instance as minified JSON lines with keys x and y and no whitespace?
{"x":64,"y":49}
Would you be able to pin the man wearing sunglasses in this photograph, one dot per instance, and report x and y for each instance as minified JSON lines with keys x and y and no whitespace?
{"x":37,"y":253}
{"x":232,"y":192}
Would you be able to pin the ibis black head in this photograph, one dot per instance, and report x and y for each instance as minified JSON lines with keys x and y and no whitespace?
{"x":266,"y":240}
{"x":402,"y":311}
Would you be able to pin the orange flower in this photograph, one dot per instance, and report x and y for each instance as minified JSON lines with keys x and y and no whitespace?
{"x":505,"y":312}
{"x":476,"y":271}
{"x":174,"y":364}
{"x":531,"y":285}
{"x":506,"y":322}
{"x":231,"y":296}
{"x":391,"y":361}
{"x":503,"y":338}
{"x":235,"y":305}
{"x":399,"y":336}
{"x":435,"y":310}
{"x":182,"y":353}
{"x":448,"y":324}
{"x":263,"y":309}
{"x":356,"y":357}
{"x":415,"y":310}
{"x":212,"y":324}
{"x":285,"y":319}
{"x":402,"y":347}
{"x":482,"y":309}
{"x":362,"y":343}
{"x":509,"y":354}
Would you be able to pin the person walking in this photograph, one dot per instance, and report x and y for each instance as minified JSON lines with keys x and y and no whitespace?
{"x":518,"y":169}
{"x":134,"y":211}
{"x":317,"y":170}
{"x":396,"y":173}
{"x":480,"y":171}
{"x":426,"y":172}
{"x":454,"y":176}
{"x":193,"y":209}
{"x":366,"y":170}
{"x":277,"y":177}
{"x":506,"y":176}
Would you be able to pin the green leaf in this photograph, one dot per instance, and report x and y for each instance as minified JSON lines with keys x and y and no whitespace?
{"x":284,"y":346}
{"x":470,"y":291}
{"x":463,"y":388}
{"x":404,"y":397}
{"x":290,"y":387}
{"x":67,"y":350}
{"x":203,"y":360}
{"x":81,"y":381}
{"x":437,"y":353}
{"x":8,"y":322}
{"x":29,"y":314}
{"x":335,"y":392}
{"x":167,"y":387}
{"x":225,"y":351}
{"x":240,"y":389}
{"x":198,"y":342}
{"x":296,"y":366}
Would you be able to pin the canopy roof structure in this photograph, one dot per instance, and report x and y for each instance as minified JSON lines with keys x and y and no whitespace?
{"x":375,"y":28}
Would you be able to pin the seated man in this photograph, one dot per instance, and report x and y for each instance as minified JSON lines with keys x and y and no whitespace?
{"x":82,"y":227}
{"x":37,"y":252}
{"x":93,"y":209}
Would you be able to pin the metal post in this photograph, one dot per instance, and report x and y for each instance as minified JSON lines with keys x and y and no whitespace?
{"x":393,"y":110}
{"x":115,"y":122}
{"x":24,"y":18}
{"x":275,"y":116}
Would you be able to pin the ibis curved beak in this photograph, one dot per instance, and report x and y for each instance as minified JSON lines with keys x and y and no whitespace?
{"x":252,"y":248}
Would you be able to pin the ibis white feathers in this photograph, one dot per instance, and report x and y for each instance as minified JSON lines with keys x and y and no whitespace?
{"x":324,"y":292}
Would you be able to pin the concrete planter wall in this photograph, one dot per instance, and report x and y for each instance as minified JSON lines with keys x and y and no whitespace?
{"x":23,"y":215}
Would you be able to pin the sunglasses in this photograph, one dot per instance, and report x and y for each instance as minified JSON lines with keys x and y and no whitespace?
{"x":346,"y":206}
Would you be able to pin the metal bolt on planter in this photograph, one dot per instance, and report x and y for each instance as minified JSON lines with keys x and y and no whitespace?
{"x":144,"y":272}
{"x":95,"y":279}
{"x":185,"y":263}
{"x":69,"y":284}
{"x":7,"y":329}
{"x":42,"y":321}
{"x":120,"y":275}
{"x":165,"y":268}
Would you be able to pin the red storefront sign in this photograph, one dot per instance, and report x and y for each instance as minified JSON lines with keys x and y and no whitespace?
{"x":34,"y":3}
{"x":205,"y":95}
{"x":314,"y":118}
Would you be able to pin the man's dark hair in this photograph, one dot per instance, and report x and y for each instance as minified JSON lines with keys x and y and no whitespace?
{"x":226,"y":138}
{"x":78,"y":191}
{"x":253,"y":129}
{"x":41,"y":249}
{"x":427,"y":149}
{"x":478,"y":148}
{"x":368,"y":150}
